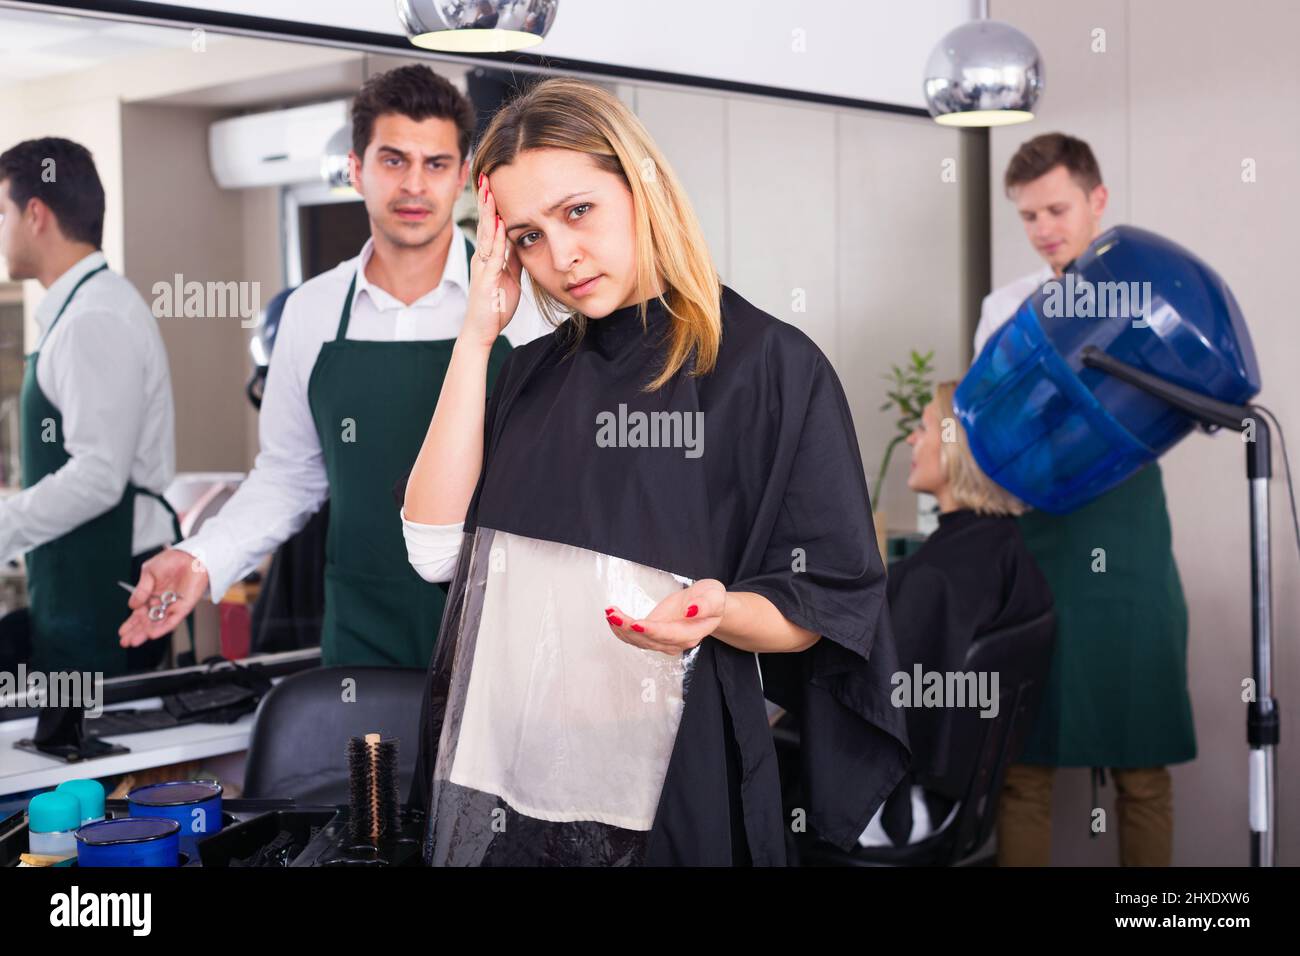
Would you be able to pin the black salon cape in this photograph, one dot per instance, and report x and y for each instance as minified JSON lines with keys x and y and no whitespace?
{"x":779,"y":484}
{"x":972,"y":576}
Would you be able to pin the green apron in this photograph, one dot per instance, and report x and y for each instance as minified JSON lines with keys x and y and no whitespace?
{"x":1117,"y":692}
{"x":372,"y":403}
{"x":73,"y":597}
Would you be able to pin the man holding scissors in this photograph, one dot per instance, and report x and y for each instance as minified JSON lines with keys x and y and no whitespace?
{"x":97,"y":417}
{"x":156,"y":611}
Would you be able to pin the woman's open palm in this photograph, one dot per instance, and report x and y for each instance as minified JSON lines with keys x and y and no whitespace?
{"x":677,"y":623}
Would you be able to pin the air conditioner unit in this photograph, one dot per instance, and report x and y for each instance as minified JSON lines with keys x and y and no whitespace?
{"x":276,"y":148}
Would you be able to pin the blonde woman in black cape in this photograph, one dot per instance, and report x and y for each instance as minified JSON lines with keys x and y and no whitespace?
{"x":660,"y":519}
{"x":973,"y":576}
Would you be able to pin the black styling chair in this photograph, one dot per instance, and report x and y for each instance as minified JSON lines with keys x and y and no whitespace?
{"x":298,"y":746}
{"x":982,"y":748}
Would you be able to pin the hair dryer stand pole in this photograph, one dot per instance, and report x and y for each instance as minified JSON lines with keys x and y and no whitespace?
{"x":1262,"y":724}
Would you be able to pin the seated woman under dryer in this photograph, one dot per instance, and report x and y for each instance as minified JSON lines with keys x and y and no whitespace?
{"x":972,"y":576}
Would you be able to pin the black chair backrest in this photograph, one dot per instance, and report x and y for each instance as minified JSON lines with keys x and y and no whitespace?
{"x":982,"y":747}
{"x":298,"y":746}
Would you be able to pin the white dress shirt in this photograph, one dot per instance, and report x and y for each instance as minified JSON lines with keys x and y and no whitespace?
{"x":105,"y":369}
{"x":1001,"y":304}
{"x":288,"y":483}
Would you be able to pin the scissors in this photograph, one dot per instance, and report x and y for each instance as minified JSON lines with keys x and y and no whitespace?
{"x":156,"y":611}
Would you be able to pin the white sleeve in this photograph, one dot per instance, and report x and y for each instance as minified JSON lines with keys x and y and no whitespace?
{"x":95,"y":374}
{"x":288,"y":483}
{"x":432,"y":548}
{"x":988,"y":323}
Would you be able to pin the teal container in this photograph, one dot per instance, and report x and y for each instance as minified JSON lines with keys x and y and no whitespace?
{"x":89,"y":794}
{"x":52,"y":821}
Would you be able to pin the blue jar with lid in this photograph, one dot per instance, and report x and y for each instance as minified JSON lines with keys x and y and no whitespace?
{"x":194,"y":804}
{"x":129,"y":841}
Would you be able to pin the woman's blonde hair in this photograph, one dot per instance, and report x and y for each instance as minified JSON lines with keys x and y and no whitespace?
{"x":566,"y":113}
{"x":969,"y":486}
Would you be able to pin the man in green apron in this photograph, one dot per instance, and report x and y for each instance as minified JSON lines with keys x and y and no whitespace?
{"x":97,"y":443}
{"x":358,"y":364}
{"x":1117,"y":692}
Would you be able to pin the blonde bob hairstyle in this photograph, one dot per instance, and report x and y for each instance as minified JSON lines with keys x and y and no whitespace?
{"x":566,"y":113}
{"x":967,"y":483}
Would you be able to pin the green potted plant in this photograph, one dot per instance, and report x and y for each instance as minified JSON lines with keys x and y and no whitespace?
{"x":910,"y":390}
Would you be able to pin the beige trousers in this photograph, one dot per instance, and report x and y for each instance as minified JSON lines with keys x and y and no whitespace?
{"x":1144,"y":805}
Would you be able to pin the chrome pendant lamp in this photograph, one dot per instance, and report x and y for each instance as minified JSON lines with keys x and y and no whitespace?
{"x":476,"y":26}
{"x":983,"y":73}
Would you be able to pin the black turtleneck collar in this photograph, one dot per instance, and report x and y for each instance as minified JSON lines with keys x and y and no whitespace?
{"x":949,"y":520}
{"x":622,"y":327}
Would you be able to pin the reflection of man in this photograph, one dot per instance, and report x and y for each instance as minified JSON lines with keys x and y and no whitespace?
{"x":358,"y":365}
{"x":1117,"y":693}
{"x":486,"y":16}
{"x":97,"y":418}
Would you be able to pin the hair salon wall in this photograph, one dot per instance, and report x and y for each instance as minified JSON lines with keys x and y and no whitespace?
{"x":858,"y":49}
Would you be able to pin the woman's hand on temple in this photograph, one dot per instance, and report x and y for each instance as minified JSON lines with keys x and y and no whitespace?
{"x":494,"y":284}
{"x":677,"y":623}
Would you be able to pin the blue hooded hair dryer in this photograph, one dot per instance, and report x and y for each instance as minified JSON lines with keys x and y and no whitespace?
{"x":1057,"y":433}
{"x":1099,"y":373}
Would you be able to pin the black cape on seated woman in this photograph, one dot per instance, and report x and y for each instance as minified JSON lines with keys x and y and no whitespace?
{"x":772,"y":501}
{"x":971,"y":577}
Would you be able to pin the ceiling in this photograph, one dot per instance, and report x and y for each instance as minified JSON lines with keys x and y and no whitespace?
{"x":38,"y":45}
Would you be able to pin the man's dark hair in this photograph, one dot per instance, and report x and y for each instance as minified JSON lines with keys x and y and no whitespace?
{"x":416,"y":92}
{"x":61,"y":174}
{"x":1042,"y":154}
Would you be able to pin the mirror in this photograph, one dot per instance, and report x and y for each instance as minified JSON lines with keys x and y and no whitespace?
{"x":220,"y":158}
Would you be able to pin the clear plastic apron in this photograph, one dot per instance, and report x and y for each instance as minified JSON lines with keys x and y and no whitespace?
{"x":557,"y":735}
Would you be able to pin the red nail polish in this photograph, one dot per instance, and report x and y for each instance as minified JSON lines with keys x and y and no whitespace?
{"x":638,"y":627}
{"x":480,"y":180}
{"x":616,"y":621}
{"x":692,"y":610}
{"x":608,"y":611}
